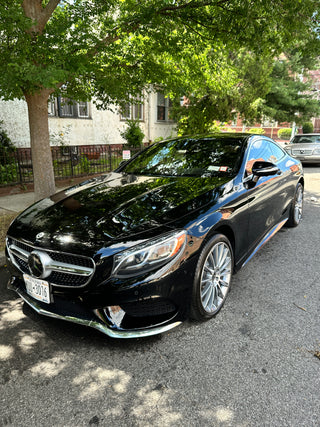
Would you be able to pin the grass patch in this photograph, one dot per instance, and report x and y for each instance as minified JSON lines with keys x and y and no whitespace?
{"x":5,"y":221}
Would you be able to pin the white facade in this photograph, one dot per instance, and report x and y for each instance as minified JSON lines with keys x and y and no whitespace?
{"x":101,"y":127}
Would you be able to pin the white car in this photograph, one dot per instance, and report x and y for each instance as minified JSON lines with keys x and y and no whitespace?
{"x":305,"y":147}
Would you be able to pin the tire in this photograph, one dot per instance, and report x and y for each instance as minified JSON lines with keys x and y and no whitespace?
{"x":212,"y":278}
{"x":295,"y":214}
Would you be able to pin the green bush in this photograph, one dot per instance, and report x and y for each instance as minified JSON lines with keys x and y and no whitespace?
{"x":307,"y":127}
{"x":284,"y":133}
{"x":226,"y":129}
{"x":259,"y":131}
{"x":6,"y":145}
{"x":8,"y":173}
{"x":84,"y":164}
{"x":133,"y":134}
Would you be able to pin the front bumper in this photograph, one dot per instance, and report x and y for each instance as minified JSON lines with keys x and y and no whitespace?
{"x":307,"y":159}
{"x":95,"y":323}
{"x":140,"y":311}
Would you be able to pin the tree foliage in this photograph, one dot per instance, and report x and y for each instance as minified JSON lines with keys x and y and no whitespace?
{"x":234,"y":84}
{"x":133,"y":134}
{"x":6,"y":145}
{"x":110,"y":49}
{"x":255,"y":88}
{"x":290,"y":98}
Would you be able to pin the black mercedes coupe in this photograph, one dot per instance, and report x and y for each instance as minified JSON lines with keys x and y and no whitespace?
{"x":135,"y":252}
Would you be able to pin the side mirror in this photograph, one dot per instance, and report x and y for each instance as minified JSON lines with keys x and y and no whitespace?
{"x":261,"y":168}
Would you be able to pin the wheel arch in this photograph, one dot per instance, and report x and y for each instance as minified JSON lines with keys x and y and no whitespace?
{"x":301,"y":181}
{"x":227,"y":231}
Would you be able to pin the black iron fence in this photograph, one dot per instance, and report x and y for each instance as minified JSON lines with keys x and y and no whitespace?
{"x":68,"y":162}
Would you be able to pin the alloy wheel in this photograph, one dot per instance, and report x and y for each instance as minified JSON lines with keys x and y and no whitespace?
{"x":298,"y":205}
{"x":216,"y":277}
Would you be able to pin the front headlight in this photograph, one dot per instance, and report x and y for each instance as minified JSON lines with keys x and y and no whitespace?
{"x":148,"y":255}
{"x":316,"y":151}
{"x":288,"y":150}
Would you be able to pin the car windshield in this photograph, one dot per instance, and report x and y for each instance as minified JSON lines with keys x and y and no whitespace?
{"x":214,"y":156}
{"x":306,"y":139}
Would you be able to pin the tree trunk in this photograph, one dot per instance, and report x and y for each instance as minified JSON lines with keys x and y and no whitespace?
{"x":43,"y":176}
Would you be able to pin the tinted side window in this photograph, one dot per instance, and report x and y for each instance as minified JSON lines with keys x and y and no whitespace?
{"x":264,"y":150}
{"x":276,"y":151}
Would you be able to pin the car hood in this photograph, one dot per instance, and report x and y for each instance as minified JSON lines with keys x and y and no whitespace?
{"x":112,"y":208}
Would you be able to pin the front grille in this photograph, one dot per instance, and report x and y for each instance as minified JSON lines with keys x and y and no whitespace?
{"x":66,"y":270}
{"x":302,"y":152}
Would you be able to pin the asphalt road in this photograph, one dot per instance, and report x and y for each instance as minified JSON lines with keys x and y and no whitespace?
{"x":254,"y":365}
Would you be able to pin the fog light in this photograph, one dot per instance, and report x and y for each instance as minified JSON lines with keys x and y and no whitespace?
{"x":115,"y":314}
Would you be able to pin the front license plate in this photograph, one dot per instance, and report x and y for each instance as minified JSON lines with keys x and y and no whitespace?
{"x":37,"y":288}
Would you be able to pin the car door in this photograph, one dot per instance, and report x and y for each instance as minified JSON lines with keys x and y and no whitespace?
{"x":267,"y":196}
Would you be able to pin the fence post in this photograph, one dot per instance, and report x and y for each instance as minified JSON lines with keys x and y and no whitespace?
{"x":17,"y":155}
{"x":71,"y":161}
{"x":110,"y":160}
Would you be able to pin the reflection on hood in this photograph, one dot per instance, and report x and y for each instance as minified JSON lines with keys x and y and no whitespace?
{"x":117,"y":205}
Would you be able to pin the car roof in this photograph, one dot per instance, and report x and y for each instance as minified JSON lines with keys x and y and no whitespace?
{"x":222,"y":135}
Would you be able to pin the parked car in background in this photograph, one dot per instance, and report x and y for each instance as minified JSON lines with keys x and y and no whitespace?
{"x":135,"y":252}
{"x":305,"y":147}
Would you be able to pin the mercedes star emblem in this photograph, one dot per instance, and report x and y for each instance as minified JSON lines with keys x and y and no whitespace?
{"x":35,"y":264}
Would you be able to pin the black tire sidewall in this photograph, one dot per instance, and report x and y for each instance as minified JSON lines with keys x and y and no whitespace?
{"x":291,"y":220}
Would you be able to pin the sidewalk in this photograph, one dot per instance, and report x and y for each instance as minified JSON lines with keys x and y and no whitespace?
{"x":14,"y":203}
{"x":15,"y":200}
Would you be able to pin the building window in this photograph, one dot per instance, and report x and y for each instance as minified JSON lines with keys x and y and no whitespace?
{"x":66,"y":107}
{"x":83,"y":110}
{"x":51,"y":108}
{"x":133,"y":110}
{"x":163,"y":107}
{"x":126,"y":112}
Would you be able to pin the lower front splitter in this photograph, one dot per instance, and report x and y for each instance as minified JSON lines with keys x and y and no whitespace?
{"x":93,"y":322}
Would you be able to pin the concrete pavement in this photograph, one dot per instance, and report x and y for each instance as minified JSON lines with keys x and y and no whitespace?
{"x":15,"y":202}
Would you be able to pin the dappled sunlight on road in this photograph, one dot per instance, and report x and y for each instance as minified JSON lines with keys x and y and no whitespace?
{"x":153,"y":404}
{"x":219,"y":415}
{"x":52,"y":367}
{"x":84,"y":378}
{"x":6,"y":351}
{"x":93,"y":380}
{"x":11,"y":313}
{"x":27,"y":340}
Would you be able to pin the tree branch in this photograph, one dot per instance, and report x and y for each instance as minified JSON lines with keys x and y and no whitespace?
{"x":46,"y":13}
{"x":190,"y":5}
{"x":133,"y":26}
{"x":109,"y":39}
{"x":40,"y":16}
